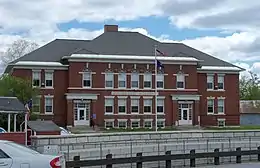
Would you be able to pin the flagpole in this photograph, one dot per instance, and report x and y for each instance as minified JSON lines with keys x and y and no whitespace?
{"x":155,"y":87}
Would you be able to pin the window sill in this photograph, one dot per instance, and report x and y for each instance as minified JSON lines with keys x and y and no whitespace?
{"x":180,"y":88}
{"x":147,"y":113}
{"x":219,"y":90}
{"x":109,"y":113}
{"x":46,"y":114}
{"x":86,"y":87}
{"x":47,"y":87}
{"x":213,"y":114}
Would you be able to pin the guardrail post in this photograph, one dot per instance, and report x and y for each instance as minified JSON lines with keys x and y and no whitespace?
{"x":76,"y":158}
{"x":192,"y":158}
{"x":139,"y":164}
{"x":168,"y":163}
{"x":258,"y":155}
{"x":238,"y":158}
{"x":216,"y":158}
{"x":109,"y":156}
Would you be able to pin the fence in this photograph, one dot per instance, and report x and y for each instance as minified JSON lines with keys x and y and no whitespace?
{"x":167,"y":158}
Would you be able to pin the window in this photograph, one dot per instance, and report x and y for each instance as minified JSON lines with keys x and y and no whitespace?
{"x":134,"y":80}
{"x":109,"y":80}
{"x":121,"y":106}
{"x":221,"y":106}
{"x":160,"y":81}
{"x":122,"y":80}
{"x":147,"y":80}
{"x":180,"y":81}
{"x":87,"y":79}
{"x":147,"y":105}
{"x":210,"y":106}
{"x":160,"y":105}
{"x":160,"y":124}
{"x":36,"y":105}
{"x":122,"y":123}
{"x":210,"y":82}
{"x":49,"y":79}
{"x":135,"y":124}
{"x":48,"y":105}
{"x":109,"y":124}
{"x":109,"y":103}
{"x":221,"y":82}
{"x":147,"y":124}
{"x":221,"y":122}
{"x":134,"y":105}
{"x":36,"y":79}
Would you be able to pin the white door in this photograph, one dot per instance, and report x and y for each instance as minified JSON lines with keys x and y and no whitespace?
{"x":81,"y":117}
{"x":185,"y":116}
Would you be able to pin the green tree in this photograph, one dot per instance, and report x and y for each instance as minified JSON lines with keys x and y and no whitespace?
{"x":249,"y":87}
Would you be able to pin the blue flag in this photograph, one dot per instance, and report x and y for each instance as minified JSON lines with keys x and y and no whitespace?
{"x":159,"y":64}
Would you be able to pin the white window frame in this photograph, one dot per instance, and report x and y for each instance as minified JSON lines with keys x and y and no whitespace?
{"x":135,"y":102}
{"x":122,"y":78}
{"x":160,"y":78}
{"x":109,"y":102}
{"x":109,"y":77}
{"x":160,"y":102}
{"x":85,"y":77}
{"x":213,"y":104}
{"x":222,"y":120}
{"x":36,"y":75}
{"x":48,"y":76}
{"x":38,"y":104}
{"x":135,"y":120}
{"x":122,"y":102}
{"x":221,"y":103}
{"x":48,"y":99}
{"x":147,"y":78}
{"x":122,"y":120}
{"x":180,"y":78}
{"x":148,"y":102}
{"x":135,"y":78}
{"x":161,"y":120}
{"x":210,"y":79}
{"x":109,"y":121}
{"x":221,"y":79}
{"x":148,"y":120}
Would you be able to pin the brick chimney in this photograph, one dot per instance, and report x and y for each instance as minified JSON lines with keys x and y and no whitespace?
{"x":111,"y":28}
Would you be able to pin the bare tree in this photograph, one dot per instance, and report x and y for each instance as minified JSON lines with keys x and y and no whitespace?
{"x":17,"y":49}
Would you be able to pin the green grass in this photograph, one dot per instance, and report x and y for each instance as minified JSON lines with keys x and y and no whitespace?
{"x":249,"y":127}
{"x":137,"y":129}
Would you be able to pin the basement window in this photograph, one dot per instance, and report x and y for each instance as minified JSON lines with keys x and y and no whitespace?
{"x":221,"y":122}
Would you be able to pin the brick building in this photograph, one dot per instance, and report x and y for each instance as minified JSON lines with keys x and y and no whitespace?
{"x":112,"y":78}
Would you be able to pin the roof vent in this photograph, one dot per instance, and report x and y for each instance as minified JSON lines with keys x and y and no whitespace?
{"x":111,"y":28}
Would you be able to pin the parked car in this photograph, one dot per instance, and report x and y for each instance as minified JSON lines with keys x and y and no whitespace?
{"x":64,"y":131}
{"x":13,"y":155}
{"x":2,"y":130}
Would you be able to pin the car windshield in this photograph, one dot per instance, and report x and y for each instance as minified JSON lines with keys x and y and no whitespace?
{"x":22,"y":148}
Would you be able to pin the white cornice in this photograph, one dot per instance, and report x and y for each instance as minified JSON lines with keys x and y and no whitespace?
{"x":71,"y":96}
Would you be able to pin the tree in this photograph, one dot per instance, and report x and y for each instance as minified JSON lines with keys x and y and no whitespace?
{"x":249,"y":87}
{"x":17,"y":49}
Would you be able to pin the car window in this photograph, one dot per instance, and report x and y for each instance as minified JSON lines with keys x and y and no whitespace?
{"x":21,"y":148}
{"x":3,"y":155}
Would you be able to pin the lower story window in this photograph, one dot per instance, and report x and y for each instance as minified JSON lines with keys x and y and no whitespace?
{"x":135,"y":124}
{"x":221,"y":122}
{"x":109,"y":124}
{"x":122,"y":124}
{"x":161,"y":124}
{"x":147,"y":124}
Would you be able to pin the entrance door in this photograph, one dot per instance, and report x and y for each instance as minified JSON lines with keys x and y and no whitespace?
{"x":185,"y":116}
{"x":81,"y":118}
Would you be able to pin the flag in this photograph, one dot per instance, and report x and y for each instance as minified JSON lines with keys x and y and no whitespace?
{"x":159,"y":64}
{"x":160,"y":52}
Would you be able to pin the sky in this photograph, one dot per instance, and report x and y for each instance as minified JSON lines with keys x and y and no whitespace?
{"x":227,"y":29}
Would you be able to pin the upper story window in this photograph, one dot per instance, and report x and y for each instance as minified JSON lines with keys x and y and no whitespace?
{"x":87,"y":79}
{"x":160,"y":105}
{"x":147,"y":80}
{"x":109,"y":80}
{"x":36,"y":105}
{"x":180,"y":82}
{"x":160,"y":81}
{"x":36,"y":78}
{"x":134,"y":105}
{"x":221,"y":82}
{"x":134,"y":80}
{"x":109,"y":104}
{"x":48,"y":105}
{"x":121,"y":106}
{"x":210,"y":82}
{"x":221,"y":107}
{"x":122,"y":80}
{"x":148,"y":105}
{"x":48,"y":79}
{"x":210,"y":106}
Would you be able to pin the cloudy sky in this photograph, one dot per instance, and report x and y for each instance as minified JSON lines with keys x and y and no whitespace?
{"x":227,"y":29}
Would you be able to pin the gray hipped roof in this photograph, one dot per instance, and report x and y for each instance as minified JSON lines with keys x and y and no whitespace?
{"x":11,"y":105}
{"x":117,"y":43}
{"x":43,"y":126}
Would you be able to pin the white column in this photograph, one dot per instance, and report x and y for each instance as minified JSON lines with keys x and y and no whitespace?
{"x":15,"y":122}
{"x":9,"y":122}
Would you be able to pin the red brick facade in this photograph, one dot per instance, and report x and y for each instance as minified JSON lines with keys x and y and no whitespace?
{"x":68,"y":89}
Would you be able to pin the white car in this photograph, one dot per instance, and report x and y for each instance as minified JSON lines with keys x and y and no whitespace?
{"x":2,"y":130}
{"x":13,"y":155}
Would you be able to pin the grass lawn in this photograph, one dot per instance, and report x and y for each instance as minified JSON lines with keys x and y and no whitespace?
{"x":249,"y":127}
{"x":137,"y":130}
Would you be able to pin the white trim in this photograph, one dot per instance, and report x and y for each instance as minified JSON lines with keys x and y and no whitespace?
{"x":161,"y":119}
{"x":219,"y":68}
{"x":211,"y":98}
{"x":52,"y":103}
{"x":211,"y":113}
{"x":135,"y":97}
{"x":39,"y":68}
{"x":124,"y":120}
{"x":109,"y":120}
{"x":49,"y":70}
{"x":52,"y":79}
{"x":160,"y":97}
{"x":218,"y":90}
{"x":148,"y":119}
{"x":36,"y":70}
{"x":147,"y":97}
{"x":135,"y":119}
{"x":122,"y":97}
{"x":70,"y":96}
{"x":181,"y":74}
{"x":221,"y":113}
{"x":92,"y":73}
{"x":221,"y":98}
{"x":185,"y":97}
{"x":185,"y":102}
{"x":109,"y":97}
{"x":39,"y":63}
{"x":226,"y":72}
{"x":134,"y":114}
{"x":221,"y":119}
{"x":48,"y":96}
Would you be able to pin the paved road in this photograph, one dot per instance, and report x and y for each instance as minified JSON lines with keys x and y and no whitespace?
{"x":243,"y":165}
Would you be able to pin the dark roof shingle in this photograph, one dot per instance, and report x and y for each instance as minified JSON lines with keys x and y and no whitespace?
{"x":11,"y":105}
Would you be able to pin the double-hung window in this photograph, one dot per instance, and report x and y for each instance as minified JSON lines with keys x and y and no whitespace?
{"x":134,"y":80}
{"x":210,"y":106}
{"x":109,"y":104}
{"x":36,"y":105}
{"x":180,"y":81}
{"x":109,"y":80}
{"x":221,"y":82}
{"x":121,"y":106}
{"x":134,"y":105}
{"x":36,"y":78}
{"x":221,"y":106}
{"x":122,"y":80}
{"x":48,"y":79}
{"x":210,"y":82}
{"x":48,"y":105}
{"x":87,"y":79}
{"x":160,"y":81}
{"x":148,"y":105}
{"x":160,"y":106}
{"x":147,"y":80}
